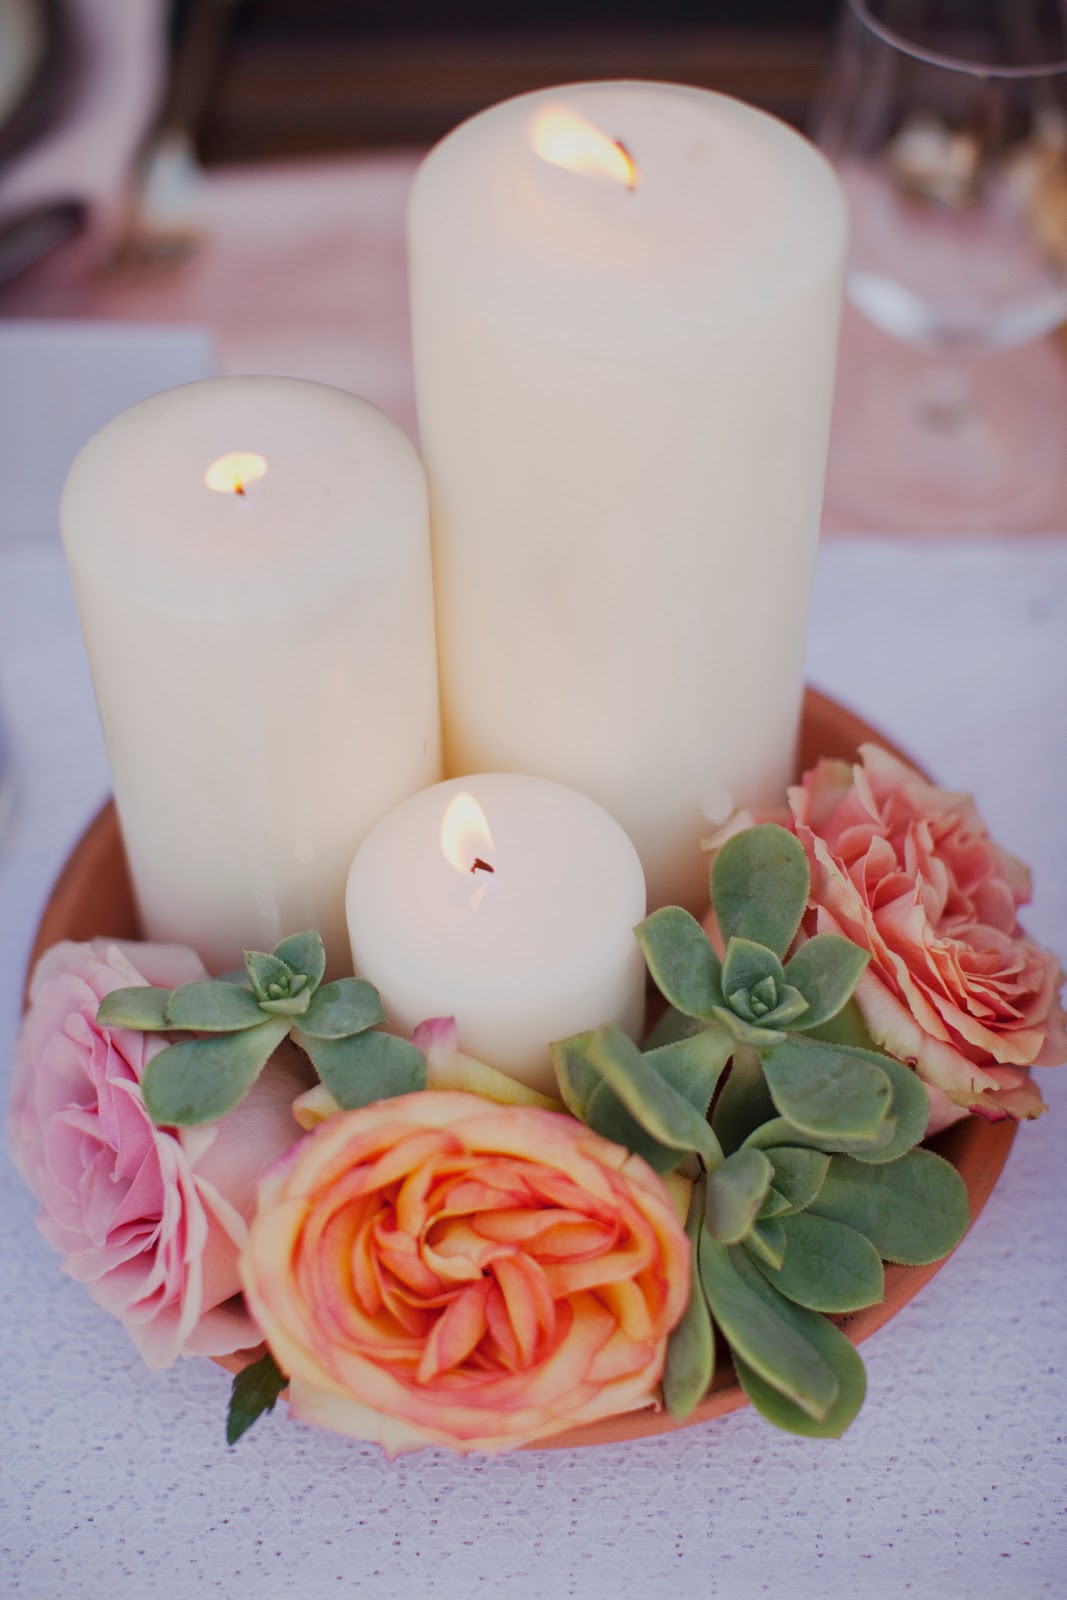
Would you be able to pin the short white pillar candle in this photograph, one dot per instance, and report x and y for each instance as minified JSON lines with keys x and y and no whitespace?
{"x":508,"y":903}
{"x":250,"y":559}
{"x":625,"y":300}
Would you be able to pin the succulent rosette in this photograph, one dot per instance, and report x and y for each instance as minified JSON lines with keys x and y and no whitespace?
{"x":954,"y":987}
{"x":440,"y":1269}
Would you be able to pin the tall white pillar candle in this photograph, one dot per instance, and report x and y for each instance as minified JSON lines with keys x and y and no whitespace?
{"x":508,"y":903}
{"x":250,"y":560}
{"x":625,"y":304}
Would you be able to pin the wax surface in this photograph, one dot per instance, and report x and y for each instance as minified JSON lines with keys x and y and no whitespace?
{"x":539,"y":948}
{"x":624,"y":400}
{"x":263,"y":658}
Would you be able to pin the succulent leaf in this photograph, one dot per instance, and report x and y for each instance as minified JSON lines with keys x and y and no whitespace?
{"x":744,"y":1102}
{"x":213,"y":1007}
{"x":828,"y":1266}
{"x":825,"y":1091}
{"x":759,"y":886}
{"x":798,"y":1174}
{"x":670,"y":1027}
{"x":735,"y":1192}
{"x":577,"y":1078}
{"x":747,"y":1032}
{"x":780,"y":1131}
{"x":270,"y":977}
{"x":913,"y":1210}
{"x":338,"y":1010}
{"x":765,"y":1329}
{"x":773,"y":1206}
{"x":766,"y":1242}
{"x":682,"y":962}
{"x":753,"y":970}
{"x":199,"y":1080}
{"x":825,"y":969}
{"x":649,"y":1098}
{"x":694,"y":1065}
{"x":844,"y":1361}
{"x":304,"y":952}
{"x":690,"y":1364}
{"x":141,"y":1007}
{"x":607,"y":1116}
{"x":365,"y":1067}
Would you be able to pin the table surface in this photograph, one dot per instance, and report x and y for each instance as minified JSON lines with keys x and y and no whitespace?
{"x":114,"y":1481}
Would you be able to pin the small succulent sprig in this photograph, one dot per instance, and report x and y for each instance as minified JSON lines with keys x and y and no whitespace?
{"x":240,"y":1019}
{"x":806,"y":1175}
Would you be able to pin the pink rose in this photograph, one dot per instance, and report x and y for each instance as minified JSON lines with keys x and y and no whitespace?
{"x":150,"y":1221}
{"x":954,"y":987}
{"x":439,"y":1269}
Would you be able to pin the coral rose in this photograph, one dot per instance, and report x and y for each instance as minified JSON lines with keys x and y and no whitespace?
{"x":438,"y":1269}
{"x":954,"y":987}
{"x":150,"y":1221}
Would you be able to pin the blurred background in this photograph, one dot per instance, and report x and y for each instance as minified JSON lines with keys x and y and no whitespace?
{"x":197,"y":185}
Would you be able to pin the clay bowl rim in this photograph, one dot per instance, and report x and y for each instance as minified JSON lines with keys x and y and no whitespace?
{"x":976,"y":1148}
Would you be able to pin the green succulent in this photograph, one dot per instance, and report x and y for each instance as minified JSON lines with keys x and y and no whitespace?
{"x":239,"y":1020}
{"x":806,"y":1172}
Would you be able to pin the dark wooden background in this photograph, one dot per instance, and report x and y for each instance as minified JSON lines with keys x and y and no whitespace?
{"x":299,"y":77}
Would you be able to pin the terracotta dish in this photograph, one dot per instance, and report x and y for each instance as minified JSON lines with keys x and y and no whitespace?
{"x":93,"y":897}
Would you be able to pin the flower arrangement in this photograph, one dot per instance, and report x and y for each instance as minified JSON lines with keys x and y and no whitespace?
{"x":433,"y":1253}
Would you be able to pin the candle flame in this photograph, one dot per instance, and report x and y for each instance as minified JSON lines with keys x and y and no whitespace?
{"x":230,"y":473}
{"x":565,"y":139}
{"x":466,"y":842}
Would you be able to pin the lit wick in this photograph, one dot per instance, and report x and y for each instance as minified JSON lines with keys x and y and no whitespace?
{"x":481,"y":866}
{"x":564,"y":138}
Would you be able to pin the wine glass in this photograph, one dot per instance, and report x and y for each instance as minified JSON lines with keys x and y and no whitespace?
{"x":947,"y":122}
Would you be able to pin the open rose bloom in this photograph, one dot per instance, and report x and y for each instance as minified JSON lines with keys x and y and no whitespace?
{"x":438,"y":1269}
{"x":954,"y":987}
{"x":151,"y":1221}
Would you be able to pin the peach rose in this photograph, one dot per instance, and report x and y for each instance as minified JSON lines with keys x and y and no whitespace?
{"x":150,"y":1220}
{"x":438,"y":1269}
{"x":954,"y":987}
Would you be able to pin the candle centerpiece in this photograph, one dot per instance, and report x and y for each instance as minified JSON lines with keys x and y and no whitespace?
{"x":624,"y":303}
{"x":507,"y":902}
{"x":249,"y":556}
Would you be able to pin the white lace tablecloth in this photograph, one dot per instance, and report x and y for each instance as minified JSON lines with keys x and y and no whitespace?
{"x":117,"y":1483}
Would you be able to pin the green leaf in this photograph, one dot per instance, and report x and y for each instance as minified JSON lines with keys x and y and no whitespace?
{"x":773,"y":1205}
{"x":826,"y":970}
{"x":780,"y":1131}
{"x":213,"y":1007}
{"x":690,"y":1363}
{"x":766,"y":1241}
{"x":365,"y":1067}
{"x":304,"y":952}
{"x":199,"y":1080}
{"x":759,"y":886}
{"x":671,"y":1027}
{"x":650,"y":1100}
{"x":798,"y":1174}
{"x":681,"y":960}
{"x":827,"y":1267}
{"x":142,"y":1007}
{"x":910,"y":1110}
{"x":265,"y":970}
{"x":746,"y":1032}
{"x":764,"y":1328}
{"x":694,"y":1065}
{"x":607,"y":1115}
{"x":822,"y":1090}
{"x":844,"y":1361}
{"x":744,"y":1101}
{"x":289,"y":1005}
{"x":748,"y":965}
{"x":846,"y":1028}
{"x":913,"y":1210}
{"x":735,"y":1192}
{"x":575,"y":1074}
{"x":338,"y":1010}
{"x":254,"y":1391}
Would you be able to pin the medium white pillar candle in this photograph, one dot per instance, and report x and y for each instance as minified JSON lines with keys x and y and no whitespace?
{"x":508,"y":903}
{"x":625,"y":304}
{"x":250,"y":560}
